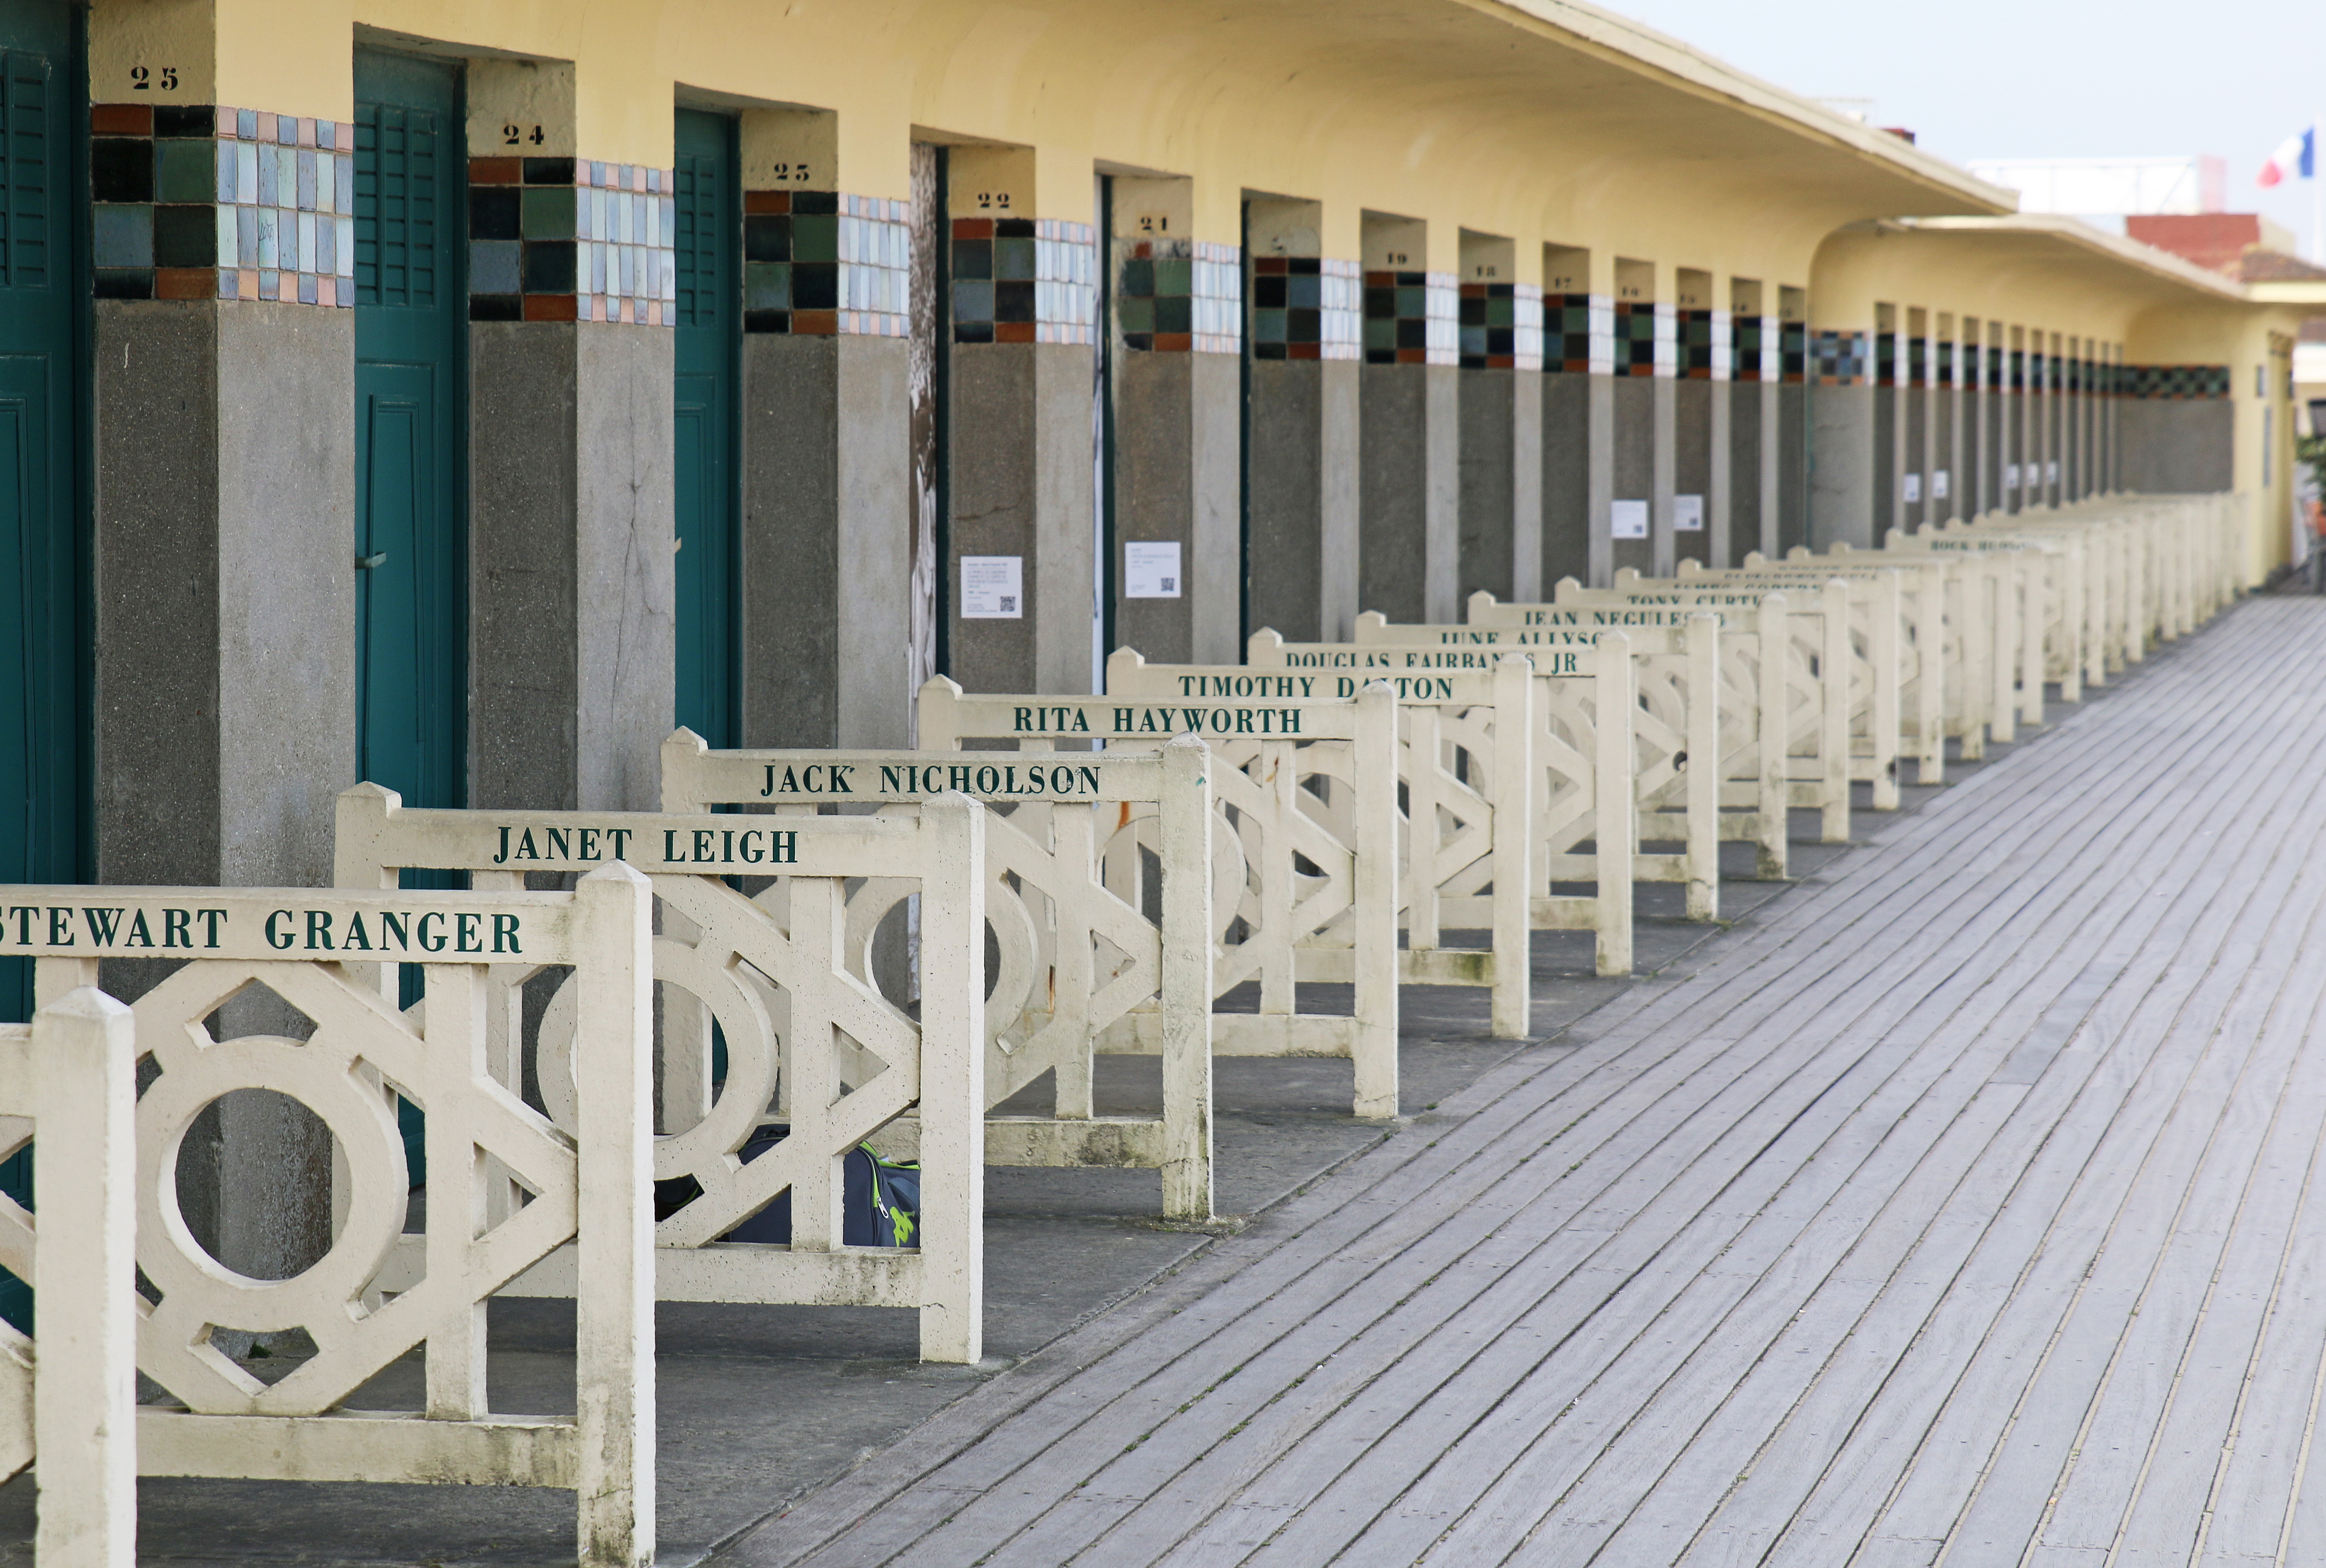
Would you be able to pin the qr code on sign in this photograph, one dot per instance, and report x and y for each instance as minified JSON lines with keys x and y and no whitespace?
{"x":1170,"y":585}
{"x":1008,"y":604}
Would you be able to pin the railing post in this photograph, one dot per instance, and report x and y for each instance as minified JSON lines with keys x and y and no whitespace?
{"x":1774,"y":743}
{"x":1702,"y":784}
{"x":1615,"y":698}
{"x":84,"y":1278}
{"x":1374,"y":833}
{"x":1185,"y":989}
{"x":1513,"y":786}
{"x":614,"y":1299}
{"x":953,"y":1081}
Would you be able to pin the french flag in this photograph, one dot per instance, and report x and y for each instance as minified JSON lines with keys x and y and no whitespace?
{"x":2297,"y":154}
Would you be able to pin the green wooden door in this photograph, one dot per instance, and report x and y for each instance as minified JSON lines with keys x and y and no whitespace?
{"x":412,"y":332}
{"x":44,"y":658}
{"x":704,"y":471}
{"x":411,"y":450}
{"x":44,"y":816}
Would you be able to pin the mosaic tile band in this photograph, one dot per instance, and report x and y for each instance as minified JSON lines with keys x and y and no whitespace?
{"x":1756,"y":347}
{"x":206,"y":202}
{"x":1024,"y":280}
{"x":1647,"y":340}
{"x":1305,"y":307}
{"x":824,"y":263}
{"x":1841,"y":358}
{"x":1500,"y":327}
{"x":1579,"y":334}
{"x":1180,"y":296}
{"x":1412,"y":318}
{"x":1707,"y":350}
{"x":2174,"y":381}
{"x":566,"y":239}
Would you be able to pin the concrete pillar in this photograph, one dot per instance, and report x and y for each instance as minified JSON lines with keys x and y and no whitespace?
{"x":1915,"y":436}
{"x":1720,"y":481}
{"x":2113,"y":429}
{"x":2055,"y":394}
{"x":1500,"y":502}
{"x":1753,"y":466}
{"x":1846,"y":434}
{"x":1699,"y":421}
{"x":1641,"y":511}
{"x":1888,"y":371}
{"x":2072,"y":421}
{"x":1578,"y":414}
{"x":2035,"y":473}
{"x":570,"y":508}
{"x":1971,"y":417}
{"x":1178,"y":319}
{"x":828,"y":506}
{"x":1633,"y":485}
{"x":1995,"y":384}
{"x":2016,"y":428}
{"x":2180,"y":429}
{"x":1304,"y":332}
{"x":1409,"y":494}
{"x":1021,"y":476}
{"x":1792,"y":421}
{"x":1747,"y":453}
{"x":2089,"y":369}
{"x":223,"y":517}
{"x":1939,"y":423}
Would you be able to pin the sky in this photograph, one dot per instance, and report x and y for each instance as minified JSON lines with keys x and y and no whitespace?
{"x":2046,"y":79}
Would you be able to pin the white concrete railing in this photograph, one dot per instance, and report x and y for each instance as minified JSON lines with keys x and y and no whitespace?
{"x":1670,"y":726}
{"x":1929,"y":645}
{"x":1464,"y":763}
{"x":1871,"y":647}
{"x":1984,"y":615}
{"x":587,"y":1187}
{"x":1304,"y":886}
{"x":1821,"y":712}
{"x":67,"y":1394}
{"x":1741,"y":799}
{"x":807,"y":1040}
{"x":1075,"y":955}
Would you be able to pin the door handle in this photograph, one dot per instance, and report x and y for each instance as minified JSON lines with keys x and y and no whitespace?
{"x":366,"y":562}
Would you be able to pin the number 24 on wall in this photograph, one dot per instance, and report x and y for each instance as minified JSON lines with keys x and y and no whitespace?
{"x":514,"y":135}
{"x":141,"y":79}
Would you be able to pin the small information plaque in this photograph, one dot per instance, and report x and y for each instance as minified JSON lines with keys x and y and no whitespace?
{"x":993,"y":587}
{"x":1150,"y":568}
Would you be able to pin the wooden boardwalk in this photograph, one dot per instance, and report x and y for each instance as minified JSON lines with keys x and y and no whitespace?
{"x":1968,"y":1208}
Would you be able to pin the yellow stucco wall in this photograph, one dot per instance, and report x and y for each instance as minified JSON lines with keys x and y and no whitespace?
{"x":1560,"y":138}
{"x":1502,"y":119}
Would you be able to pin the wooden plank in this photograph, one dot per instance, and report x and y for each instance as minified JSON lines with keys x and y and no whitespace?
{"x":1490,"y":1548}
{"x":1791,"y":1453}
{"x":1640,"y":1061}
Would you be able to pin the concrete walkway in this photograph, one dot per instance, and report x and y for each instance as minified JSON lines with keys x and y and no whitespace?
{"x":1959,"y":1208}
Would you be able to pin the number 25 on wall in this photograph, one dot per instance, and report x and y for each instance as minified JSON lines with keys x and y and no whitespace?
{"x":141,"y":79}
